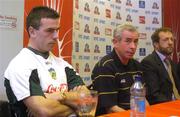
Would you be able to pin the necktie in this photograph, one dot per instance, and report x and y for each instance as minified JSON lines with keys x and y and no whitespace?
{"x":169,"y":70}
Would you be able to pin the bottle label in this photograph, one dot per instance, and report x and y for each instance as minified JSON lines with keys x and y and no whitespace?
{"x":141,"y":105}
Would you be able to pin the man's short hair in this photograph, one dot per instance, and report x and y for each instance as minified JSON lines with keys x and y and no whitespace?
{"x":37,"y":13}
{"x":120,"y":28}
{"x":155,"y":36}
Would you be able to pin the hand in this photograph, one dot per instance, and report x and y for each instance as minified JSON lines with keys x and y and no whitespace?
{"x":79,"y":88}
{"x":55,"y":96}
{"x":72,"y":97}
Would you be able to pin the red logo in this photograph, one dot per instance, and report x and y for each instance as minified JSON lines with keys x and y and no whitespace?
{"x":61,"y":87}
{"x":142,"y":19}
{"x":108,"y":13}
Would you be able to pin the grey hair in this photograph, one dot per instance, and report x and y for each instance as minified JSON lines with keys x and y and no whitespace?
{"x":120,"y":28}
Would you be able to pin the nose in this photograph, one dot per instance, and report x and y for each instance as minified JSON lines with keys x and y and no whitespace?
{"x":133,"y":45}
{"x":171,"y":41}
{"x":55,"y":34}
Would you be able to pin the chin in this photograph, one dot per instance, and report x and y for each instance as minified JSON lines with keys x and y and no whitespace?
{"x":129,"y":57}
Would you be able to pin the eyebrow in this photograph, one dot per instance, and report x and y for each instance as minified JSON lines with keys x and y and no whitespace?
{"x":53,"y":28}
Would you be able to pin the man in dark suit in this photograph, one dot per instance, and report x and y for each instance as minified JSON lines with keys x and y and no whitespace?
{"x":161,"y":85}
{"x":178,"y":67}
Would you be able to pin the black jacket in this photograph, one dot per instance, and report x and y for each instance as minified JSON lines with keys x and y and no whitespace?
{"x":159,"y":86}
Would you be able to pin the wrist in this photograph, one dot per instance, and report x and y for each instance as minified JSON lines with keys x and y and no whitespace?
{"x":62,"y":96}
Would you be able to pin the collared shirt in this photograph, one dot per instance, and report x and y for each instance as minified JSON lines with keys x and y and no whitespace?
{"x":30,"y":74}
{"x":162,"y":57}
{"x":113,"y":80}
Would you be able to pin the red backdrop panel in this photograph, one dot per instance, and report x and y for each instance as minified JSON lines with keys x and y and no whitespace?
{"x":171,"y":18}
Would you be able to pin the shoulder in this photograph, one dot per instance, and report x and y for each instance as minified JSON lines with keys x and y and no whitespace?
{"x":152,"y":61}
{"x":104,"y":65}
{"x":61,"y":61}
{"x":150,"y":58}
{"x":105,"y":61}
{"x":22,"y":62}
{"x":21,"y":58}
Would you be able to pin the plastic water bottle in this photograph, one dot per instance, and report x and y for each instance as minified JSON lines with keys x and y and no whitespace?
{"x":137,"y":99}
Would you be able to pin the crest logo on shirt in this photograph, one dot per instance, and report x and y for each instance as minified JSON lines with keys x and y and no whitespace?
{"x":52,"y":73}
{"x":123,"y":81}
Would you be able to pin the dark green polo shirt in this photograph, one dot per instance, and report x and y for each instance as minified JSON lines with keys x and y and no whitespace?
{"x":113,"y":80}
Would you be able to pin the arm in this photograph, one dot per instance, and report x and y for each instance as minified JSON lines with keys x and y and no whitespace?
{"x":152,"y":79}
{"x":43,"y":107}
{"x":73,"y":78}
{"x":147,"y":103}
{"x":55,"y":104}
{"x":114,"y":109}
{"x":48,"y":105}
{"x":67,"y":98}
{"x":104,"y":83}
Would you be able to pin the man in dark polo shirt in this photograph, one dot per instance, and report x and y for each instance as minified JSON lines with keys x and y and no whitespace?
{"x":114,"y":74}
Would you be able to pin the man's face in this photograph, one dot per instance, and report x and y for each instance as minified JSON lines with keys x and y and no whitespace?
{"x":126,"y":47}
{"x":166,"y":43}
{"x":47,"y":34}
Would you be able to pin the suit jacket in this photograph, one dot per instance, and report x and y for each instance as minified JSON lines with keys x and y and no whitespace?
{"x":158,"y":83}
{"x":178,"y":67}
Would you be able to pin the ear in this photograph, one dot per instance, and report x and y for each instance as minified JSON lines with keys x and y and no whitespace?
{"x":32,"y":32}
{"x":114,"y":41}
{"x":156,"y":45}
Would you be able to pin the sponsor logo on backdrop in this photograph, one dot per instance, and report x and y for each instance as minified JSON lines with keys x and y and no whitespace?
{"x":148,"y":43}
{"x":86,"y":28}
{"x":9,"y":22}
{"x":86,"y":7}
{"x":96,"y":10}
{"x":128,"y":18}
{"x":108,"y":49}
{"x":76,"y":46}
{"x":118,"y":1}
{"x":148,"y":28}
{"x":108,"y":13}
{"x":141,"y":4}
{"x":142,"y":20}
{"x":86,"y":48}
{"x":86,"y":67}
{"x":142,"y":36}
{"x":96,"y":49}
{"x":76,"y":25}
{"x":77,"y":67}
{"x":108,"y":31}
{"x":77,"y":4}
{"x":128,"y":3}
{"x":142,"y":51}
{"x":118,"y":16}
{"x":155,"y":5}
{"x":148,"y":12}
{"x":155,"y":20}
{"x":96,"y":30}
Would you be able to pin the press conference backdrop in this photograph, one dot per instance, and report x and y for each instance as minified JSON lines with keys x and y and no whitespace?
{"x":93,"y":24}
{"x":86,"y":36}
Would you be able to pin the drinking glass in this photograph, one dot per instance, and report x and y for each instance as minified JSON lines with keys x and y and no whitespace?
{"x":87,"y":103}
